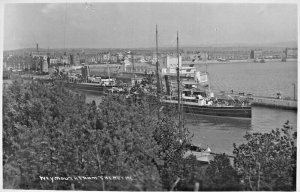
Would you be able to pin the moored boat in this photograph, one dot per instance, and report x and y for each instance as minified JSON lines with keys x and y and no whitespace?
{"x":90,"y":87}
{"x":191,"y":107}
{"x":197,"y":98}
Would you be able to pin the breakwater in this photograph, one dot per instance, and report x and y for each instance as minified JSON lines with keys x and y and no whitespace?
{"x":271,"y":102}
{"x":275,"y":103}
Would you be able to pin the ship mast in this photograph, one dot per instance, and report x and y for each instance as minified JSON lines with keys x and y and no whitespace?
{"x":157,"y":75}
{"x":108,"y":71}
{"x":132,"y":58}
{"x":157,"y":66}
{"x":207,"y":78}
{"x":178,"y":84}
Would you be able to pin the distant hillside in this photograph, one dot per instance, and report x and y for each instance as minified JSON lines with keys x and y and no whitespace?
{"x":284,"y":44}
{"x":234,"y":46}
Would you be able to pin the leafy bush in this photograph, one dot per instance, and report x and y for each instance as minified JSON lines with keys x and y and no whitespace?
{"x":268,"y":160}
{"x":50,"y":131}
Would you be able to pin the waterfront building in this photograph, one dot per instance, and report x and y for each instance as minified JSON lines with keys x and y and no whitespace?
{"x":91,"y":58}
{"x":203,"y":56}
{"x":160,"y":57}
{"x":227,"y":53}
{"x":138,"y":58}
{"x":53,"y":61}
{"x":71,"y":59}
{"x":44,"y":67}
{"x":98,"y":58}
{"x":194,"y":57}
{"x":76,"y":59}
{"x":154,"y":59}
{"x":65,"y":60}
{"x":114,"y":58}
{"x":39,"y":54}
{"x":120,"y":57}
{"x":291,"y":52}
{"x":188,"y":56}
{"x":169,"y":64}
{"x":28,"y":62}
{"x":127,"y":62}
{"x":256,"y":54}
{"x":4,"y":63}
{"x":105,"y":57}
{"x":85,"y":72}
{"x":170,"y":61}
{"x":82,"y":58}
{"x":148,"y":58}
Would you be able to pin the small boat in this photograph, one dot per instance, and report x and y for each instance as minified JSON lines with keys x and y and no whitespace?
{"x":262,"y":61}
{"x":259,"y":60}
{"x":203,"y":155}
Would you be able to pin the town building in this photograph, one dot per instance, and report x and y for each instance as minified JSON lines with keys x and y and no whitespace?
{"x":65,"y":60}
{"x":82,"y":58}
{"x":75,"y":59}
{"x":40,"y":54}
{"x":120,"y":57}
{"x":85,"y":72}
{"x":256,"y":54}
{"x":114,"y":58}
{"x":91,"y":58}
{"x":194,"y":57}
{"x":291,"y":52}
{"x":45,"y":66}
{"x":170,"y":61}
{"x":105,"y":57}
{"x":148,"y":58}
{"x":53,"y":61}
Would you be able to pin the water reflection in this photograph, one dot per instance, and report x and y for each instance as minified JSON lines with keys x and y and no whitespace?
{"x":220,"y":133}
{"x":218,"y":121}
{"x":217,"y":132}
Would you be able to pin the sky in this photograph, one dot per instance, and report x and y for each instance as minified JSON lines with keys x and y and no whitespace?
{"x":132,"y":25}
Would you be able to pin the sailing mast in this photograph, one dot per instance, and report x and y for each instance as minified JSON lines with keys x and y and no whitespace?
{"x":132,"y":58}
{"x":157,"y":75}
{"x":206,"y":73}
{"x":108,"y":71}
{"x":157,"y":66}
{"x":178,"y":84}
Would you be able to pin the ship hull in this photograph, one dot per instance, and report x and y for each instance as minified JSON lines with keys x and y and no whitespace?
{"x":230,"y":111}
{"x":89,"y":87}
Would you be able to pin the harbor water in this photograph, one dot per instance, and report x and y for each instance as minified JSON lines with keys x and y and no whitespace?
{"x":260,"y":79}
{"x":263,"y":79}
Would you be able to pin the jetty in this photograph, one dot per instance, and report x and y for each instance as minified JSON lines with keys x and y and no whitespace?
{"x":275,"y":103}
{"x":272,"y":102}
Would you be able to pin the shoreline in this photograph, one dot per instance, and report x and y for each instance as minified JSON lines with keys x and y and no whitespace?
{"x":235,"y":61}
{"x":194,"y":63}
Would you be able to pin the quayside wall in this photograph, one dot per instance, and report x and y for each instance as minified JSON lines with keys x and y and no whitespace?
{"x":275,"y":103}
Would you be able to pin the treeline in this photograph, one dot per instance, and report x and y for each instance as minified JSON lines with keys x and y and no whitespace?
{"x":50,"y":131}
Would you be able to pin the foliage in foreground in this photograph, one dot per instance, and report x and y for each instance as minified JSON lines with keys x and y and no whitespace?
{"x":268,"y":160}
{"x":50,"y":131}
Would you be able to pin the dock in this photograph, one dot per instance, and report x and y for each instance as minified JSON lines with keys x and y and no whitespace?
{"x":272,"y":102}
{"x":275,"y":103}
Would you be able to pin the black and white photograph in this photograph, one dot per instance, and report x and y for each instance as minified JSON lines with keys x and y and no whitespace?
{"x":149,"y":95}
